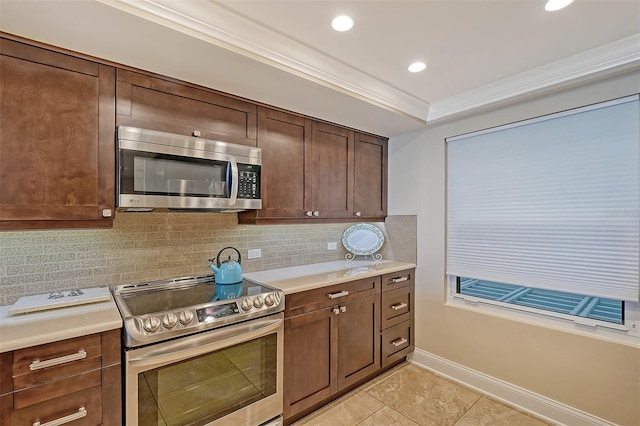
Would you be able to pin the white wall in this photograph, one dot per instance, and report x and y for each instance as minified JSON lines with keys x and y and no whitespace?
{"x":593,"y":375}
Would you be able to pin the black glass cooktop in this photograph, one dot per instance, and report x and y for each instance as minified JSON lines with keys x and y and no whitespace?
{"x":161,"y":296}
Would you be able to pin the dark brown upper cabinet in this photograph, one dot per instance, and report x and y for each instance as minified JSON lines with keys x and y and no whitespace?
{"x":57,"y":118}
{"x":318,"y":172}
{"x":156,"y":103}
{"x":370,"y":181}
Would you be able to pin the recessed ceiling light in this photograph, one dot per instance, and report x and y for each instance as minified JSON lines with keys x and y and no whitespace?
{"x":417,"y":66}
{"x":342,"y":23}
{"x":553,"y":5}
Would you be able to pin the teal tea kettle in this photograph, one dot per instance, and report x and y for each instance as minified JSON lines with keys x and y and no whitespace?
{"x":228,"y":271}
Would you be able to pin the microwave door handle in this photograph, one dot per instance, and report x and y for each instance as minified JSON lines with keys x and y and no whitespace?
{"x":233,"y":196}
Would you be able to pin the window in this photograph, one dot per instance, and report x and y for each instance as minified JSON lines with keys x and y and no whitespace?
{"x":596,"y":308}
{"x":543,"y":216}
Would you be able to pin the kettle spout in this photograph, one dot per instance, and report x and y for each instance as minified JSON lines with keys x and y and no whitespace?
{"x":213,"y":266}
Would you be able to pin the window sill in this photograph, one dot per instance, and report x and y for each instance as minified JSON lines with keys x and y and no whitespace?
{"x":628,"y":335}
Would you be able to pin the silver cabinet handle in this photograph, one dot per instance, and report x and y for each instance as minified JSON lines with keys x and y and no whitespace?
{"x":343,"y":309}
{"x":309,"y":213}
{"x":358,"y":214}
{"x":316,"y":213}
{"x":399,"y":279}
{"x":399,"y":342}
{"x":38,"y":365}
{"x":336,"y":311}
{"x":399,"y":306}
{"x":338,"y":294}
{"x":82,"y":412}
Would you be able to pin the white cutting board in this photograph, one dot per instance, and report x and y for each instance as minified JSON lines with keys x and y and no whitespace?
{"x":42,"y":302}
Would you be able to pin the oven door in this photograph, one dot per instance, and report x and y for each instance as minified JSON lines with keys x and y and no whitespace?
{"x":232,"y":375}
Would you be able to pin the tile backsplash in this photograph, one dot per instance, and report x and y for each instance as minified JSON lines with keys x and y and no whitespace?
{"x":150,"y":246}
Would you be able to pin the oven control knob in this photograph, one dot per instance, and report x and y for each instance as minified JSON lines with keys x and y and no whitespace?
{"x":151,"y":324}
{"x":246,"y":304}
{"x":170,"y":320}
{"x":185,"y":317}
{"x":258,"y":302}
{"x":269,"y":299}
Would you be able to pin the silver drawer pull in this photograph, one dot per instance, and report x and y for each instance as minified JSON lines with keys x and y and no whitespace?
{"x":399,"y":279}
{"x":338,"y":294}
{"x":399,"y":306}
{"x":82,"y":412}
{"x":399,"y":342}
{"x":38,"y":365}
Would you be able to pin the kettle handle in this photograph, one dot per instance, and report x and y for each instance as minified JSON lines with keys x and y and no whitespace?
{"x":226,"y":248}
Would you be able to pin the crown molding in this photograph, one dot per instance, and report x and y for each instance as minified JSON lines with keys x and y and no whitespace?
{"x":600,"y":61}
{"x":213,"y":23}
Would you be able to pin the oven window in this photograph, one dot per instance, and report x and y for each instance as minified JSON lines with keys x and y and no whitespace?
{"x":146,"y":173}
{"x":200,"y":390}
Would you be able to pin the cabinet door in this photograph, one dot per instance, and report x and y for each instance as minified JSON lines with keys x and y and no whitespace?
{"x":57,"y":154}
{"x":358,"y":340}
{"x":170,"y":106}
{"x":370,"y":178}
{"x":283,"y":139}
{"x":330,"y":161}
{"x":310,"y":359}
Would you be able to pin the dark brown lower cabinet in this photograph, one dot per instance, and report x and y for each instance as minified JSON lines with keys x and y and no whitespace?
{"x":329,"y":350}
{"x":85,"y":391}
{"x":358,"y":341}
{"x":398,"y":319}
{"x":310,"y":359}
{"x":338,"y":337}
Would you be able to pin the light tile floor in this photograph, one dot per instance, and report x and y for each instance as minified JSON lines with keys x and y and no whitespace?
{"x":408,"y":396}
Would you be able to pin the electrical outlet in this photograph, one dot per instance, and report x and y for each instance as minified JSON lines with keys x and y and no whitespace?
{"x":254,"y":253}
{"x":332,"y":246}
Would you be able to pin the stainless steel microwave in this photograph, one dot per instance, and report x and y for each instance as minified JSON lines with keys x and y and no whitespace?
{"x":159,"y":170}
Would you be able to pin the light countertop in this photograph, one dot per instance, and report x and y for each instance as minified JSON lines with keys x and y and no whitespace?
{"x":36,"y":328}
{"x":301,"y":278}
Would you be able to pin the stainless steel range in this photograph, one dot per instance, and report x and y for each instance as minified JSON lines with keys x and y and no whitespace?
{"x":198,"y":353}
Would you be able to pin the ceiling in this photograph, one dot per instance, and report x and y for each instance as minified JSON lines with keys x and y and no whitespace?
{"x":479,"y":53}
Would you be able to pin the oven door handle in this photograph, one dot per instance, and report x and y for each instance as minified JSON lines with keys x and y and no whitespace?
{"x":154,"y":356}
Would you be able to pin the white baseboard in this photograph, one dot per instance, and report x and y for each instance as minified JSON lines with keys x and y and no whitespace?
{"x":517,"y":397}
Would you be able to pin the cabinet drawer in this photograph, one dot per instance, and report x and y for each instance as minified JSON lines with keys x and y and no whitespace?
{"x":52,"y":361}
{"x":307,"y":301}
{"x":86,"y":405}
{"x":397,"y":342}
{"x":397,"y":279}
{"x":397,"y":305}
{"x":56,"y":389}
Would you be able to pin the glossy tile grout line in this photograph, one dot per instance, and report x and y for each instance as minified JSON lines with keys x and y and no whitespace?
{"x":410,"y":395}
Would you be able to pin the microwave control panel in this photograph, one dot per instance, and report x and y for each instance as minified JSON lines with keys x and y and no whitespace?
{"x":248,"y":181}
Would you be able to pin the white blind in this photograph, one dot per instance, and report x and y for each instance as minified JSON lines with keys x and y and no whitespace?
{"x":552,"y":202}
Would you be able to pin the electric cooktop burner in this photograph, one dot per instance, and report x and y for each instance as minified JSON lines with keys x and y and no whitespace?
{"x":161,"y":310}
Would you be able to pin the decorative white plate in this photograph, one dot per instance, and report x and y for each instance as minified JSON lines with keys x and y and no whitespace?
{"x":362,"y":239}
